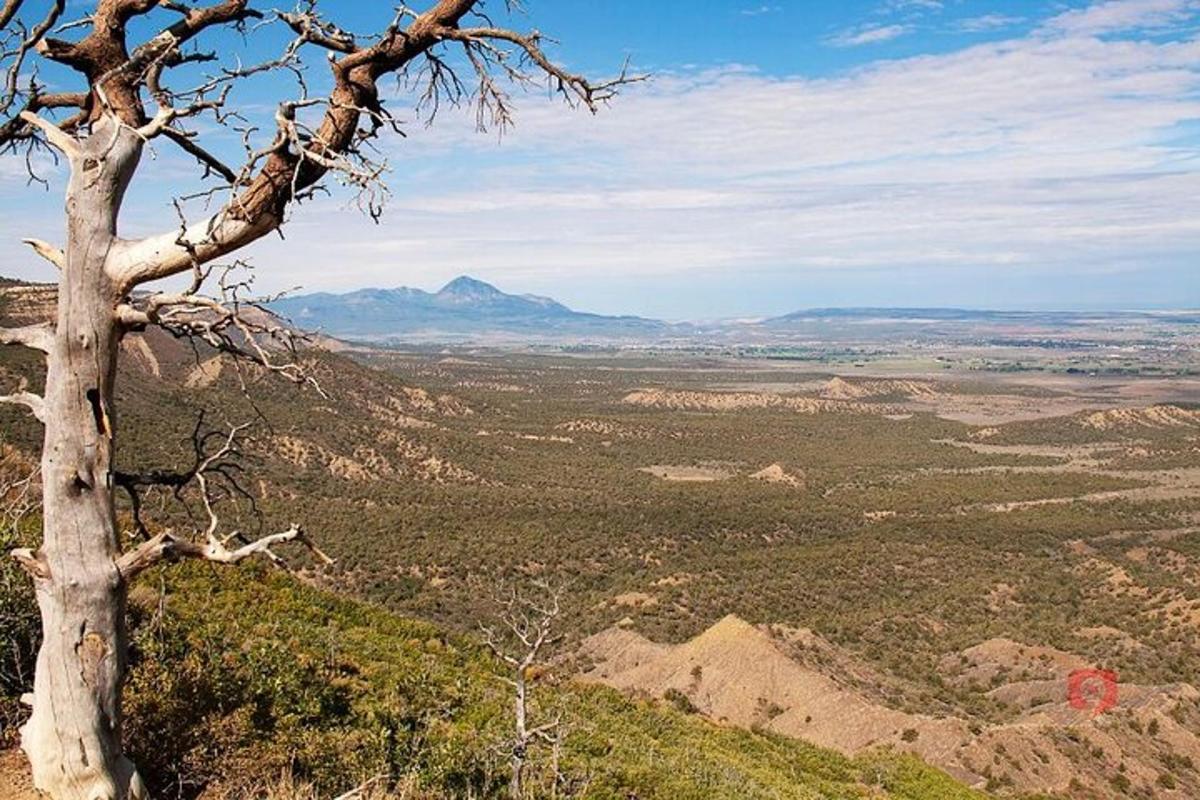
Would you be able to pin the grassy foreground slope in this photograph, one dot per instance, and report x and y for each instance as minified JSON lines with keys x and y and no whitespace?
{"x":241,"y":676}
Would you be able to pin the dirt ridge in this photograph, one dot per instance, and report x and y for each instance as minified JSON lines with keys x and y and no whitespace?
{"x":752,"y":676}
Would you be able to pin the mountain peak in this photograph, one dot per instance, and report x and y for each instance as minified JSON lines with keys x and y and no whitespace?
{"x":465,"y":307}
{"x":464,"y":286}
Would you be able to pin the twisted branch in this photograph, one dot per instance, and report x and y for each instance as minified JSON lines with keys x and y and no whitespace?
{"x":167,"y":546}
{"x":237,"y":324}
{"x":299,"y":156}
{"x":34,"y":402}
{"x":36,"y":337}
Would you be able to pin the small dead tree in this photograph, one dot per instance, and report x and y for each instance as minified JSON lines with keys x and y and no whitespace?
{"x":523,"y":634}
{"x":138,"y":91}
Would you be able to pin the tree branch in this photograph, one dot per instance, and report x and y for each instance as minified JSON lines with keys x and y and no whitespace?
{"x":115,"y":75}
{"x":529,"y":623}
{"x":206,"y":158}
{"x":8,"y":11}
{"x":569,"y":84}
{"x":28,"y":41}
{"x":298,"y":158}
{"x":17,"y":129}
{"x":34,"y":402}
{"x":47,"y":251}
{"x":167,"y":547}
{"x":32,"y":563}
{"x":64,"y":141}
{"x":222,"y":463}
{"x":36,"y":337}
{"x":236,"y":324}
{"x":313,"y":30}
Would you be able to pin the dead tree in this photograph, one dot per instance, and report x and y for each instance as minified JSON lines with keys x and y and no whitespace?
{"x":520,"y":639}
{"x":129,"y":98}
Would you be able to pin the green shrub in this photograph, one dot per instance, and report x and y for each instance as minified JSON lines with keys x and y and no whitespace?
{"x":249,"y":675}
{"x":20,"y":630}
{"x":679,"y":701}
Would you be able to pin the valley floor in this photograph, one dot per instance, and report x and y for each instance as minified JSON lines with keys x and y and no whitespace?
{"x":937,"y":549}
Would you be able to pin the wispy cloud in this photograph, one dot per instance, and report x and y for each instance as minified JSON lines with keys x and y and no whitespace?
{"x":1058,"y":152}
{"x":987,"y":22}
{"x":758,"y":11}
{"x":1124,"y":15}
{"x":1041,"y":153}
{"x":913,"y":5}
{"x":869,"y":34}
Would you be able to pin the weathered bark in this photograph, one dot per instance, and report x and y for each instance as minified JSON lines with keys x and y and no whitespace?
{"x":73,"y":737}
{"x":516,"y":789}
{"x":529,"y":625}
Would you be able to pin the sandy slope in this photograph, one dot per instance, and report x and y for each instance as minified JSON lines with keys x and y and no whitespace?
{"x":749,"y":676}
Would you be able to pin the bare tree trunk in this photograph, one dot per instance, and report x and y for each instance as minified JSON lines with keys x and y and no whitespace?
{"x":528,"y":623}
{"x":521,"y":741}
{"x":73,"y":737}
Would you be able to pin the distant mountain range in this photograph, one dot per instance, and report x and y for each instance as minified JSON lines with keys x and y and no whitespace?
{"x":935,"y":315}
{"x":464,"y":308}
{"x":470,"y":310}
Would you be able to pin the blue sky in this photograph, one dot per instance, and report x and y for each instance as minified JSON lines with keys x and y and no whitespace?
{"x":785,"y":155}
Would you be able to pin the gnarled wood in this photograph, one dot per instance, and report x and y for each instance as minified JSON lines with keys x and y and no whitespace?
{"x":168,"y":547}
{"x":47,"y":251}
{"x":73,"y":736}
{"x":38,"y":337}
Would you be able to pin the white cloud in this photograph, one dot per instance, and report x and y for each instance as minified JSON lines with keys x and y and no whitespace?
{"x":913,"y":5}
{"x":1056,"y":153}
{"x":1038,"y":153}
{"x":758,"y":11}
{"x":869,"y":34}
{"x":987,"y":22}
{"x":1124,"y":15}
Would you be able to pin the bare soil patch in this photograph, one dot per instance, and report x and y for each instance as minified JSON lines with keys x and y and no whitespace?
{"x":743,"y":401}
{"x":15,"y":782}
{"x":1132,"y":418}
{"x":775,"y":473}
{"x":684,"y":474}
{"x":751,"y":676}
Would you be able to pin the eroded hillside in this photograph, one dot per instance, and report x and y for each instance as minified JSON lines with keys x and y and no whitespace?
{"x":794,"y":683}
{"x":883,"y":528}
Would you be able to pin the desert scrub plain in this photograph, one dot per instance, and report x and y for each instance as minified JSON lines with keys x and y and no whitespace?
{"x":252,"y":684}
{"x":936,"y":550}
